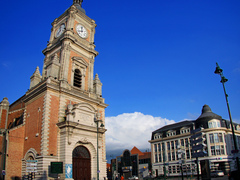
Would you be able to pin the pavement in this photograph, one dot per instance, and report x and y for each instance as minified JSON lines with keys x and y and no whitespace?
{"x":194,"y":178}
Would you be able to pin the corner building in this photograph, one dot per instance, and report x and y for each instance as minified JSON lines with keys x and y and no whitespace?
{"x":165,"y":143}
{"x":61,"y":116}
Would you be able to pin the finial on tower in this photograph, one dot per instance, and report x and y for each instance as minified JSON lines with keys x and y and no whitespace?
{"x":78,"y":5}
{"x":78,"y":2}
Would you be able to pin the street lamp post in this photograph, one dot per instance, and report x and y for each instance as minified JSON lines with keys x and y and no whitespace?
{"x":223,"y":80}
{"x":97,"y":120}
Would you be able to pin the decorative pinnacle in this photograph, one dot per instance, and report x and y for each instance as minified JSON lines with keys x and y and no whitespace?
{"x":78,"y":2}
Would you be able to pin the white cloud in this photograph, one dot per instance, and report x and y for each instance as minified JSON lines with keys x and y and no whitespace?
{"x":132,"y":129}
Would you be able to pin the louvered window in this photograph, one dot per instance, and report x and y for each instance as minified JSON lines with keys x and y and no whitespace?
{"x":77,"y":78}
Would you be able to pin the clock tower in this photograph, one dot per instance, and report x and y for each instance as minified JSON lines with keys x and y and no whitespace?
{"x":70,"y":53}
{"x":68,"y":70}
{"x":61,"y":117}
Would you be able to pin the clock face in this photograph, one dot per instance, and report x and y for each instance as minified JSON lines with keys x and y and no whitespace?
{"x":82,"y":32}
{"x":60,"y":30}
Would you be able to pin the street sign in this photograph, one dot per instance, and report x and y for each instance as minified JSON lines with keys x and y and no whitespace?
{"x":197,"y":143}
{"x":198,"y":140}
{"x":199,"y":154}
{"x":181,"y":151}
{"x":30,"y":171}
{"x":197,"y":135}
{"x":31,"y":161}
{"x":31,"y":164}
{"x":198,"y":147}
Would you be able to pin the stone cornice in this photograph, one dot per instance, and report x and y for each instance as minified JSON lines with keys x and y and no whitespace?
{"x":54,"y":85}
{"x":74,"y":125}
{"x":58,"y":42}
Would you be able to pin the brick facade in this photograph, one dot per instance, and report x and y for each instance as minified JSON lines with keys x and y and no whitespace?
{"x":55,"y":116}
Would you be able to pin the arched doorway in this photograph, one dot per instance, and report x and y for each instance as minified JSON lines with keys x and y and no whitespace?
{"x":81,"y":163}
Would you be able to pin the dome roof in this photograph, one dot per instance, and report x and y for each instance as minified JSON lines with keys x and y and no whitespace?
{"x":208,"y":114}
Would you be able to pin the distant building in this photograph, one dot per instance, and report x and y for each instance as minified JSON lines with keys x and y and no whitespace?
{"x":133,"y":163}
{"x":219,"y":140}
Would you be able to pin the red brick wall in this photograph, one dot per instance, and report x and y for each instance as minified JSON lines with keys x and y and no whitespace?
{"x":53,"y":129}
{"x":34,"y":125}
{"x":15,"y":152}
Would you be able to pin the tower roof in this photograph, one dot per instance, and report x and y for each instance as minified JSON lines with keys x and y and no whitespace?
{"x":78,"y":5}
{"x":135,"y":150}
{"x":207,"y":113}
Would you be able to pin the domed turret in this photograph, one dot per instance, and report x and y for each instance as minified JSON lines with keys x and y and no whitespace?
{"x":206,"y":116}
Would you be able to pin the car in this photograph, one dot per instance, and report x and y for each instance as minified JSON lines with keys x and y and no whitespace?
{"x":234,"y":175}
{"x":217,"y":173}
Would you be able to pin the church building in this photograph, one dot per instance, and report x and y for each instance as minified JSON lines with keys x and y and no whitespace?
{"x":56,"y":129}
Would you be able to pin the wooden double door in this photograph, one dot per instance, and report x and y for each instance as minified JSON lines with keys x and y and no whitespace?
{"x":81,"y":163}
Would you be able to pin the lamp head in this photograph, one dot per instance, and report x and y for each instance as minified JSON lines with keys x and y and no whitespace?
{"x":218,"y":70}
{"x":224,"y":80}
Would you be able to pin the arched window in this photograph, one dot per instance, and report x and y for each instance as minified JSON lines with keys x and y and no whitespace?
{"x":77,"y":78}
{"x":214,"y":124}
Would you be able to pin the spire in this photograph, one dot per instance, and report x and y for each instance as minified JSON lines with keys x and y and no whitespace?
{"x":35,"y":78}
{"x":97,"y":85}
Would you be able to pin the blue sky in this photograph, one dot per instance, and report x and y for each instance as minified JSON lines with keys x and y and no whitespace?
{"x":156,"y":58}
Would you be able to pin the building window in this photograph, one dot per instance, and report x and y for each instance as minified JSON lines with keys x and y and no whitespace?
{"x":176,"y":143}
{"x":211,"y":138}
{"x":169,"y":156}
{"x":157,"y":136}
{"x":177,"y":156}
{"x":220,"y":137}
{"x":155,"y":147}
{"x":172,"y":144}
{"x":213,"y":150}
{"x":188,"y":154}
{"x":171,"y":133}
{"x":214,"y":124}
{"x":186,"y":142}
{"x":182,"y":142}
{"x":16,"y":122}
{"x":156,"y":158}
{"x":238,"y":128}
{"x":216,"y":139}
{"x":163,"y":146}
{"x":184,"y":130}
{"x":222,"y":150}
{"x":174,"y":169}
{"x":159,"y":147}
{"x":168,"y":145}
{"x":160,"y":157}
{"x":218,"y":150}
{"x":178,"y":169}
{"x":169,"y":169}
{"x":77,"y":78}
{"x":173,"y":156}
